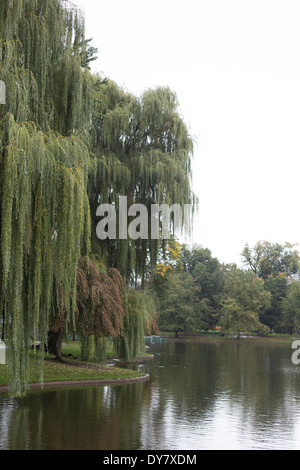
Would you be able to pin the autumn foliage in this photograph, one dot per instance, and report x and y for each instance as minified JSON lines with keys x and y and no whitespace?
{"x":99,"y":300}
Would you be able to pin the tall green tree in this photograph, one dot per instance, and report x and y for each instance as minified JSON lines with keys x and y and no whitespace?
{"x":266,"y":259}
{"x":278,"y":288}
{"x":208,"y":274}
{"x":70,"y":140}
{"x":180,"y":308}
{"x":244,"y":299}
{"x":276,"y":264}
{"x":291,"y":308}
{"x":44,"y":213}
{"x":144,"y":153}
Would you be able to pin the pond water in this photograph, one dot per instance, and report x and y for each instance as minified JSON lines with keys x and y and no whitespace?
{"x":200,"y":395}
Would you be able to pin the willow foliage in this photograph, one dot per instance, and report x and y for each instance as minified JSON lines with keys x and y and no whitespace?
{"x":130,"y":343}
{"x":45,"y":225}
{"x":144,"y":152}
{"x":139,"y":319}
{"x":41,"y":45}
{"x":70,"y":140}
{"x":44,"y":167}
{"x":93,"y":348}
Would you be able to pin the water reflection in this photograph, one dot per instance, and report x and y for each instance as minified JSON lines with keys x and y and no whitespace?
{"x":200,"y":396}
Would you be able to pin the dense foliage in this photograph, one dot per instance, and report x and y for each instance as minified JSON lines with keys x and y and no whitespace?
{"x":277,"y":265}
{"x":261,"y":297}
{"x":99,"y":300}
{"x":70,"y":140}
{"x":244,"y":299}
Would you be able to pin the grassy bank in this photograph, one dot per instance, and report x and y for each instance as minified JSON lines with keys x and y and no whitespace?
{"x":71,"y":369}
{"x":201,"y":336}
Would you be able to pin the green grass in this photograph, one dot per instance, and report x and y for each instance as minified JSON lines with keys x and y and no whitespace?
{"x":56,"y":371}
{"x":198,"y":335}
{"x":74,"y":348}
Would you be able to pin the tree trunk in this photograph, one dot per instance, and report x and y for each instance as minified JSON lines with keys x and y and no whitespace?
{"x":55,"y":343}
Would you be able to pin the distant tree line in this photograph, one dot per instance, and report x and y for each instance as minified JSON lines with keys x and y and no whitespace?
{"x":195,"y":291}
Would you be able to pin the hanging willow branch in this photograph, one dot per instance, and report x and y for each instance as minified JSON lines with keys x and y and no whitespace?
{"x":44,"y":213}
{"x":45,"y":223}
{"x":70,"y":140}
{"x":139,"y":319}
{"x":40,"y":62}
{"x":143,"y":151}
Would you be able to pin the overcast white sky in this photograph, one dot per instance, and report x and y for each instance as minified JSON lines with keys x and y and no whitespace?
{"x":235,"y":67}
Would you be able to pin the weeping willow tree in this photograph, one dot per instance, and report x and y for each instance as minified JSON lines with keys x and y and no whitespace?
{"x":99,"y":308}
{"x":70,"y":140}
{"x":44,"y":168}
{"x":106,"y":307}
{"x":45,"y":225}
{"x":99,"y":300}
{"x":143,"y":151}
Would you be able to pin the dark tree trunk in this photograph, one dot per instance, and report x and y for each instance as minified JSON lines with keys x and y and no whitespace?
{"x":55,"y":343}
